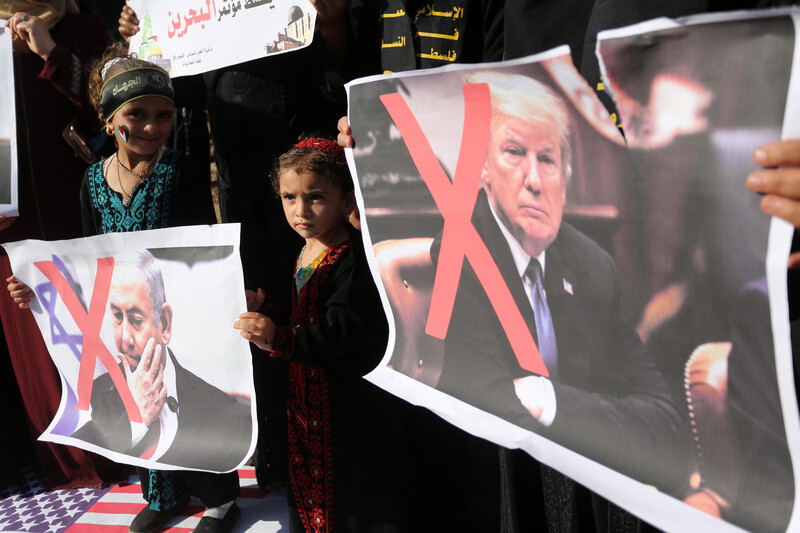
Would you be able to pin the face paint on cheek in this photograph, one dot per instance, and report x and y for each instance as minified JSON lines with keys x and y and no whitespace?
{"x":123,"y":132}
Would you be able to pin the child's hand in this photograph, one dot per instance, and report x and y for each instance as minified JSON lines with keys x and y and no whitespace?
{"x":254,"y":299}
{"x":257,"y":328}
{"x":21,"y":293}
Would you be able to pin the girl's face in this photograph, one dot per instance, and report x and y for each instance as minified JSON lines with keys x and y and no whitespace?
{"x":314,"y":207}
{"x":148,"y":122}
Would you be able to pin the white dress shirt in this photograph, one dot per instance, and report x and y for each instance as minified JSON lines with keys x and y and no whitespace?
{"x":526,"y":388}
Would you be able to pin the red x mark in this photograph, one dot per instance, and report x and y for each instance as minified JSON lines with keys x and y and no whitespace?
{"x":92,"y":347}
{"x":460,"y":239}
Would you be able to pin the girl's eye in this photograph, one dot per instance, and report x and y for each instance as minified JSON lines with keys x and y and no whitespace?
{"x":288,"y":196}
{"x":316,"y":197}
{"x":166,"y":115}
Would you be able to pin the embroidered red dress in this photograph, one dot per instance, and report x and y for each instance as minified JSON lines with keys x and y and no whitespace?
{"x":335,"y":333}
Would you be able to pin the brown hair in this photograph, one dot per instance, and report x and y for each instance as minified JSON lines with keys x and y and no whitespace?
{"x":303,"y":159}
{"x":96,"y":79}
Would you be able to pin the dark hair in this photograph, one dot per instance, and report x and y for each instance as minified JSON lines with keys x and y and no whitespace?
{"x":96,"y":79}
{"x":303,"y":159}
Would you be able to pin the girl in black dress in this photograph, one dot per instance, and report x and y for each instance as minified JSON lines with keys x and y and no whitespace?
{"x":330,"y":326}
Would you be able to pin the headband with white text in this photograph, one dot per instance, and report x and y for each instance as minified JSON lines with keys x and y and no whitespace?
{"x":131,"y":85}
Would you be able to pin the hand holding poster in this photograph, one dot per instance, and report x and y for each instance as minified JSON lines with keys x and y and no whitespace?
{"x":187,"y":37}
{"x":602,"y":305}
{"x":139,"y":329}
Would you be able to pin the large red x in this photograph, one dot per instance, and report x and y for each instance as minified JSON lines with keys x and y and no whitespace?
{"x":92,"y":347}
{"x":460,"y":239}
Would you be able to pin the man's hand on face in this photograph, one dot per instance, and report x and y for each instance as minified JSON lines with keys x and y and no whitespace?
{"x":147,"y":382}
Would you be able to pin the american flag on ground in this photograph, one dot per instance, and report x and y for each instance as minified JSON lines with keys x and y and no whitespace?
{"x":80,"y":511}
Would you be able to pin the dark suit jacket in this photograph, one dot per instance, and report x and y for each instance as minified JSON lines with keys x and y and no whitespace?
{"x":612,"y":403}
{"x":214,"y":430}
{"x":764,"y":495}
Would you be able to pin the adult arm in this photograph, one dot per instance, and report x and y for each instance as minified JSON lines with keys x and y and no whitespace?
{"x":192,"y":202}
{"x":332,"y":27}
{"x":78,"y":40}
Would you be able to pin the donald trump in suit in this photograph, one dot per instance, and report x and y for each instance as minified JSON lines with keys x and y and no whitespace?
{"x":604,"y":396}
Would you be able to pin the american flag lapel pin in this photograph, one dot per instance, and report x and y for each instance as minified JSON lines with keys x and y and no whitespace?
{"x":568,"y":287}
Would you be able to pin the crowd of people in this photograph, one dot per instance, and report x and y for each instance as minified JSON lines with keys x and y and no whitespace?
{"x":369,"y":461}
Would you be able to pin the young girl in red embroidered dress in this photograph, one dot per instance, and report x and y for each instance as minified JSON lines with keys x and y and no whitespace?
{"x":332,"y":331}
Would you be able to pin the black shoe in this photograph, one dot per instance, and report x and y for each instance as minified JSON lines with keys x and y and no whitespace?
{"x":219,"y":525}
{"x":149,"y":521}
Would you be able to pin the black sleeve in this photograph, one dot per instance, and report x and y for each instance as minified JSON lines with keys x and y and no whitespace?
{"x":764,"y":491}
{"x":364,"y":39}
{"x":352,"y":333}
{"x":493,"y":30}
{"x":191,"y":202}
{"x":190,"y":91}
{"x":80,"y":39}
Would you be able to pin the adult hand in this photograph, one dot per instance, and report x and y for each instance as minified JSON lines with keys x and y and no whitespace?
{"x":329,"y":11}
{"x":254,"y":299}
{"x":21,"y":293}
{"x":128,"y":23}
{"x":6,"y":222}
{"x":33,"y":32}
{"x":345,"y":137}
{"x":332,"y":27}
{"x":780,"y":181}
{"x":146,"y":383}
{"x":257,"y":328}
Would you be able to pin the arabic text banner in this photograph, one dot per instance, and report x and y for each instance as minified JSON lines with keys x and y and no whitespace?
{"x":192,"y":36}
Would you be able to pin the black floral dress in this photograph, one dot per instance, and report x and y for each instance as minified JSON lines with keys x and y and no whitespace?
{"x":341,"y":456}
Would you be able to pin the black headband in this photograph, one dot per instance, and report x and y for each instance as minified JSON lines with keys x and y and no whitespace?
{"x":131,"y":85}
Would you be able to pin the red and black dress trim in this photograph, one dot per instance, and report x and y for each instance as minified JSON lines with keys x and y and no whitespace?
{"x":309,"y":416}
